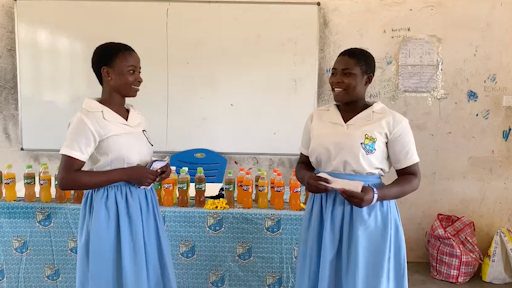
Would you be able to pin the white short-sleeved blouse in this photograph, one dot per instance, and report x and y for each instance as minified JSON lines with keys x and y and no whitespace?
{"x":370,"y":143}
{"x":106,"y":141}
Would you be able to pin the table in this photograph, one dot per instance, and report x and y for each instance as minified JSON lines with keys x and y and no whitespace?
{"x":232,"y":248}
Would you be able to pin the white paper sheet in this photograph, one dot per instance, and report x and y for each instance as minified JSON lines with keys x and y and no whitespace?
{"x":336,"y":183}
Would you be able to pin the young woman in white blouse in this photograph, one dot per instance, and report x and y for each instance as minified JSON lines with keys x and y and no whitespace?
{"x":353,"y":239}
{"x":121,"y":237}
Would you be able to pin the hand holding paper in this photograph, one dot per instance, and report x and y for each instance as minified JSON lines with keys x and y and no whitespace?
{"x":336,"y":183}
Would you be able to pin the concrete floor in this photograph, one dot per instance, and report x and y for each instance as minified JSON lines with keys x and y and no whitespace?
{"x":419,"y":277}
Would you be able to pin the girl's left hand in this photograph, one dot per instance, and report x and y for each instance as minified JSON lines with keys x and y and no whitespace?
{"x":358,"y":199}
{"x":164,"y":172}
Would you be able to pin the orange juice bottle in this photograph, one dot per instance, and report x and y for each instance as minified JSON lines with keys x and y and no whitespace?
{"x":45,"y":185}
{"x":1,"y":185}
{"x":60,"y":196}
{"x":200,"y":185}
{"x":78,"y":195}
{"x":279,"y":188}
{"x":174,"y":176}
{"x":295,"y":192}
{"x":169,"y":186}
{"x":248,"y":185}
{"x":263,"y":191}
{"x":239,"y":186}
{"x":29,"y":181}
{"x":183,"y":189}
{"x":272,"y":187}
{"x":188,"y":183}
{"x":256,"y":181}
{"x":229,"y":189}
{"x":158,"y":190}
{"x":10,"y":184}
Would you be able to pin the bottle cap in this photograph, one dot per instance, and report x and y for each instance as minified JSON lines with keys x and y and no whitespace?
{"x":8,"y":166}
{"x":263,"y":173}
{"x":248,"y":173}
{"x":230,"y":172}
{"x":279,"y":174}
{"x":200,"y":170}
{"x":260,"y":170}
{"x":183,"y":171}
{"x":276,"y":170}
{"x":242,"y":169}
{"x":29,"y":167}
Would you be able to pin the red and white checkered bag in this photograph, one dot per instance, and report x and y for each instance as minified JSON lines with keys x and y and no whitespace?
{"x":453,"y":250}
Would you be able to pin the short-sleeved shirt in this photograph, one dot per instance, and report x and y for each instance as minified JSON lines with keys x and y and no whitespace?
{"x":105,"y":141}
{"x":370,"y":143}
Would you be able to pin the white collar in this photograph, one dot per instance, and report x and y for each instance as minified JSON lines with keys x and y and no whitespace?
{"x":134,"y":118}
{"x":333,"y":115}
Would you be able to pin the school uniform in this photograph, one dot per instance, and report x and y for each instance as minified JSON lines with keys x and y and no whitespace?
{"x":121,"y":237}
{"x":343,"y":246}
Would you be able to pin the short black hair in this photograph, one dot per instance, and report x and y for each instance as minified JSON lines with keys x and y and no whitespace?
{"x":105,"y":55}
{"x":363,"y":58}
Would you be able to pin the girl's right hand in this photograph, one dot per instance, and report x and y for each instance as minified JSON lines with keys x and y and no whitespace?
{"x":317,"y":184}
{"x":140,"y":175}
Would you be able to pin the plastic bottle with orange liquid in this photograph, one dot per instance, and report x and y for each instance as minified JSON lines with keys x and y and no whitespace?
{"x":229,"y":189}
{"x":158,"y":190}
{"x":248,"y":185}
{"x":183,"y":189}
{"x":174,"y":175}
{"x":279,"y":191}
{"x":263,"y":191}
{"x":10,"y":184}
{"x":240,"y":185}
{"x":272,"y":187}
{"x":78,"y":195}
{"x":60,"y":196}
{"x":256,"y":181}
{"x":169,"y":188}
{"x":1,"y":185}
{"x":200,"y":185}
{"x":29,"y":181}
{"x":295,"y":192}
{"x":45,"y":185}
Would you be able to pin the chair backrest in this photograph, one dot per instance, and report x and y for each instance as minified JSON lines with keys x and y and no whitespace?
{"x":213,"y":164}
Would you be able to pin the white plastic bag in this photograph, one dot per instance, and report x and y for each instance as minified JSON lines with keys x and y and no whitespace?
{"x":497,"y":266}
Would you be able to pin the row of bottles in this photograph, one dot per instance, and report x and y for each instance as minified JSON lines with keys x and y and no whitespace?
{"x":259,"y":188}
{"x":29,"y":181}
{"x":176,"y":189}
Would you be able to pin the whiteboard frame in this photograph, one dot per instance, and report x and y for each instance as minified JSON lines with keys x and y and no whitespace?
{"x":20,"y":136}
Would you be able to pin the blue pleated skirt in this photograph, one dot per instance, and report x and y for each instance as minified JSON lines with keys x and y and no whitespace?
{"x":343,"y":246}
{"x":122,"y":240}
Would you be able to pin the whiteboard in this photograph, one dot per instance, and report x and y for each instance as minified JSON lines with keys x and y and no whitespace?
{"x":231,"y":77}
{"x":55,"y":41}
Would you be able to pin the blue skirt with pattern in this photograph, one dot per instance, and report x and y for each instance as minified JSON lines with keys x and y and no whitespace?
{"x":343,"y":246}
{"x":122,"y":240}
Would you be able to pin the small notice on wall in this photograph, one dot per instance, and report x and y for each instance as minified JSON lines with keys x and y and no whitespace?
{"x":418,"y":65}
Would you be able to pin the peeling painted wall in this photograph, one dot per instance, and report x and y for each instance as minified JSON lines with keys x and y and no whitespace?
{"x":463,"y":139}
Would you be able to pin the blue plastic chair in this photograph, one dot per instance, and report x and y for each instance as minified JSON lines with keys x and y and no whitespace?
{"x":213,"y":164}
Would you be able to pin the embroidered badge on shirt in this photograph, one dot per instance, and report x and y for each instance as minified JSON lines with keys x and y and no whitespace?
{"x":369,"y":144}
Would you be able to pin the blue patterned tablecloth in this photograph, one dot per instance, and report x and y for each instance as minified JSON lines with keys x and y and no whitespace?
{"x":232,"y":248}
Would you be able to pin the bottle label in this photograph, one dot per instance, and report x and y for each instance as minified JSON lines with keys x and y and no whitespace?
{"x":240,"y":184}
{"x":279,"y":189}
{"x":297,"y":190}
{"x":200,"y":186}
{"x":168,"y":186}
{"x":262,"y":189}
{"x":246,"y":188}
{"x":182,"y":185}
{"x":271,"y":185}
{"x":44,"y":182}
{"x":157,"y":186}
{"x":9,"y":181}
{"x":32,"y":181}
{"x":229,"y":187}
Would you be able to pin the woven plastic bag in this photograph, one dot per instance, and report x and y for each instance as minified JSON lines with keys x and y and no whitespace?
{"x":497,"y":267}
{"x":453,"y":251}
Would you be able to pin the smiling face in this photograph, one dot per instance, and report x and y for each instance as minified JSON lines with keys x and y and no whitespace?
{"x":348,"y":83}
{"x":124,"y":75}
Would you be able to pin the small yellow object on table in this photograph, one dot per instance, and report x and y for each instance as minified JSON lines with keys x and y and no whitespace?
{"x":220,"y":204}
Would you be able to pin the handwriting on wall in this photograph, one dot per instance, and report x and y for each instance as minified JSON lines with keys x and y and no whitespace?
{"x":485,"y":114}
{"x":506,"y":134}
{"x":472,"y":96}
{"x":398,"y":32}
{"x":493,"y":89}
{"x":492,"y":79}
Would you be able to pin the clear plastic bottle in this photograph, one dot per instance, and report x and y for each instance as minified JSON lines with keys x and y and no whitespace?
{"x":229,"y":189}
{"x":29,"y":181}
{"x":263,"y":191}
{"x":256,"y":180}
{"x":183,"y":189}
{"x":10,"y":184}
{"x":45,"y":185}
{"x":240,"y":186}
